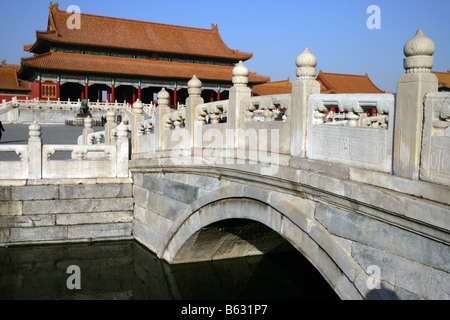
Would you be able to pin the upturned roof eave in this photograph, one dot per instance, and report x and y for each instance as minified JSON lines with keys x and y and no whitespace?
{"x":42,"y":37}
{"x":27,"y":64}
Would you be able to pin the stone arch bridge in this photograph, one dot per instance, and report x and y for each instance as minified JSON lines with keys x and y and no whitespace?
{"x":358,"y":183}
{"x":345,"y":224}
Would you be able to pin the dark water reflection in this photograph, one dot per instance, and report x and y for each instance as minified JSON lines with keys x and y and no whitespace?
{"x":128,"y":271}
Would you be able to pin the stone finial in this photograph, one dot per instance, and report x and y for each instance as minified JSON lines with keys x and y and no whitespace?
{"x":418,"y":52}
{"x":137,"y":107}
{"x":306,"y":65}
{"x":163,"y":98}
{"x":110,"y":116}
{"x":35,"y":131}
{"x":122,"y":130}
{"x":88,"y":122}
{"x":194,"y":87}
{"x":240,"y":75}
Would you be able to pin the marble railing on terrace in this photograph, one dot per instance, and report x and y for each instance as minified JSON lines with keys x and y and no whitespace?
{"x":9,"y":110}
{"x":57,"y":111}
{"x":351,"y":130}
{"x":69,"y":105}
{"x":111,"y":161}
{"x":8,"y":106}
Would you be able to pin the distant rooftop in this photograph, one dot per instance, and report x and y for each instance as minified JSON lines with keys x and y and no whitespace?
{"x":346,"y":83}
{"x":330,"y":83}
{"x":9,"y":80}
{"x":444,"y":80}
{"x":276,"y":87}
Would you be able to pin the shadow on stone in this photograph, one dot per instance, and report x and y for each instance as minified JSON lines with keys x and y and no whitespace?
{"x":232,"y":238}
{"x":381,"y":294}
{"x":237,"y":257}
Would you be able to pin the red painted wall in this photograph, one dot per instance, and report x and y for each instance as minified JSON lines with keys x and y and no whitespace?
{"x":8,"y":97}
{"x":34,"y":90}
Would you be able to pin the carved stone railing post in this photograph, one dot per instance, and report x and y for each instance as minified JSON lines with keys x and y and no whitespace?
{"x":137,"y":118}
{"x":87,"y":129}
{"x":110,"y":124}
{"x":122,"y":151}
{"x":35,"y":151}
{"x":411,"y":89}
{"x":239,"y":91}
{"x":304,"y":86}
{"x":194,"y":99}
{"x":162,"y":109}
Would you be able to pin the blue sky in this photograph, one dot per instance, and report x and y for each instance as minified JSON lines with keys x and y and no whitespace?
{"x":276,"y":32}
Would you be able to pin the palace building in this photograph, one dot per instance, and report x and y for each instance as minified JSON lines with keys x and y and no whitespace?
{"x":111,"y":59}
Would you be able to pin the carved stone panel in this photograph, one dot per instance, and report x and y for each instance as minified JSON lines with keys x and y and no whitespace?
{"x":435,"y":155}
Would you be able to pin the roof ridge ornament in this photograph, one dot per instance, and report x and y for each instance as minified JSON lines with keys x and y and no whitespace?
{"x":54,"y":6}
{"x":214,"y":27}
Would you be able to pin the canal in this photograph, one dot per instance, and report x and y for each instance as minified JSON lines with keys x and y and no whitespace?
{"x":128,"y":271}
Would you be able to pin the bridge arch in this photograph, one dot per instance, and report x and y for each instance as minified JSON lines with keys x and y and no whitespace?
{"x":292,"y":219}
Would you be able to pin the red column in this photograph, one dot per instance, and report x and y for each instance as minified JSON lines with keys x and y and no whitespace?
{"x":175,"y":97}
{"x":218,"y":95}
{"x":139,"y":93}
{"x":134,"y":95}
{"x":113,"y":98}
{"x":86,"y":91}
{"x":58,"y":91}
{"x":39,"y":89}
